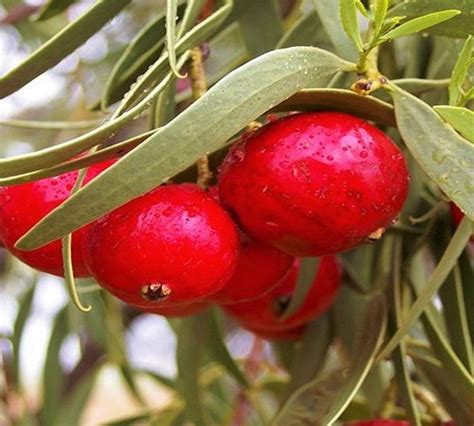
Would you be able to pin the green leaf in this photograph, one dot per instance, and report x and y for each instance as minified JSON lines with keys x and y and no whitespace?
{"x":25,"y":304}
{"x":144,"y":49}
{"x":321,"y":401}
{"x":171,"y":16}
{"x":366,"y":107}
{"x":455,"y":313}
{"x":200,"y":33}
{"x":380,"y":8}
{"x":226,"y":108}
{"x":260,"y":24}
{"x":219,"y":352}
{"x":61,"y":45}
{"x":77,"y":163}
{"x":328,"y":11}
{"x":310,"y":355}
{"x":437,"y":278}
{"x":350,"y":22}
{"x":440,"y":151}
{"x":307,"y":273}
{"x":192,"y":332}
{"x":399,"y":357}
{"x":447,"y":391}
{"x":53,"y":376}
{"x":445,"y":352}
{"x":53,"y":8}
{"x":459,"y":27}
{"x":420,"y":24}
{"x":56,"y":154}
{"x":306,"y":31}
{"x":72,"y":408}
{"x":460,"y":70}
{"x":462,"y":119}
{"x":467,"y":272}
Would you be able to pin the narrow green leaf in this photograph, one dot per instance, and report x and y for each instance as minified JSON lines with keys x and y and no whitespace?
{"x":350,"y":22}
{"x":200,"y":33}
{"x":342,"y":100}
{"x":53,"y":376}
{"x":328,"y":11}
{"x":61,"y":45}
{"x":192,"y":332}
{"x":144,"y":49}
{"x":25,"y":304}
{"x":219,"y":352}
{"x":307,"y":273}
{"x":437,"y":278}
{"x":68,"y":265}
{"x":460,"y":70}
{"x":53,"y":8}
{"x":439,"y":150}
{"x":226,"y":108}
{"x":50,"y":125}
{"x":77,"y":163}
{"x":445,"y":352}
{"x":309,"y":356}
{"x":462,"y":119}
{"x":321,"y":401}
{"x":171,"y":16}
{"x":380,"y":8}
{"x":458,"y":27}
{"x":71,"y":410}
{"x":447,"y":391}
{"x":467,"y":276}
{"x":128,"y":375}
{"x":420,"y":24}
{"x":455,"y":313}
{"x":402,"y":372}
{"x":56,"y":154}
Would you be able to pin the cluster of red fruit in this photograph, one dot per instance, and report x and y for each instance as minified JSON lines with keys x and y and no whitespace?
{"x":310,"y":184}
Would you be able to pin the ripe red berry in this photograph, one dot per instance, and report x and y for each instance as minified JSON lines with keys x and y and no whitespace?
{"x":173,"y":245}
{"x":22,"y":206}
{"x":263,"y":313}
{"x":314,"y":183}
{"x":259,"y":269}
{"x":378,"y":422}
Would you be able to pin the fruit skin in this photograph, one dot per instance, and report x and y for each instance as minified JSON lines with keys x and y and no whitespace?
{"x":22,"y":206}
{"x":259,"y":269}
{"x":173,"y":245}
{"x":457,"y":215}
{"x":314,"y":183}
{"x":378,"y":422}
{"x":262,"y":313}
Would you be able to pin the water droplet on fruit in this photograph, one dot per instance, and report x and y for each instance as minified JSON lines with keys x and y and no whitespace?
{"x":237,"y":156}
{"x":363,"y":211}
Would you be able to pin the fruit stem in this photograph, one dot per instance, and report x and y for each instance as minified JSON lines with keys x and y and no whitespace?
{"x":199,"y":88}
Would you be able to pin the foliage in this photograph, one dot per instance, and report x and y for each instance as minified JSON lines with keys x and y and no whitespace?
{"x":401,"y":334}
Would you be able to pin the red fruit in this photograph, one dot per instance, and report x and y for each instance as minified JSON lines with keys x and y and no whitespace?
{"x":263,"y":313}
{"x":314,"y":183}
{"x":290,"y":334}
{"x":173,"y":245}
{"x":456,"y":214}
{"x":259,"y":269}
{"x":22,"y":206}
{"x":378,"y":422}
{"x":182,"y":310}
